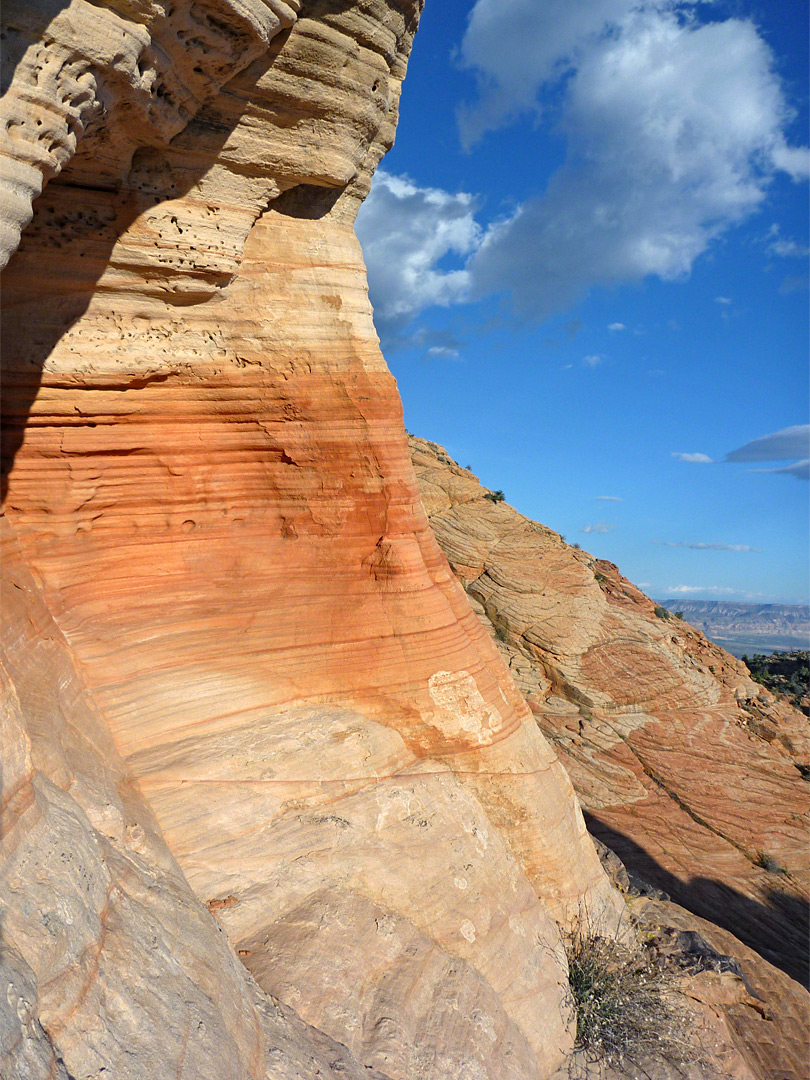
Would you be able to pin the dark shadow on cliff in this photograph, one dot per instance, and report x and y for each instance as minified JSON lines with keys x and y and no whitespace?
{"x":778,"y":929}
{"x":67,"y":242}
{"x":80,"y":251}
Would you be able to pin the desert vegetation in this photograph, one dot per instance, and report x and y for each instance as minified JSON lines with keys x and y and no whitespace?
{"x":627,"y":1011}
{"x":785,"y":673}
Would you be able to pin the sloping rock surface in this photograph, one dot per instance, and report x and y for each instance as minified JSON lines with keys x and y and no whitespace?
{"x":212,"y":507}
{"x":111,"y":966}
{"x":685,"y":767}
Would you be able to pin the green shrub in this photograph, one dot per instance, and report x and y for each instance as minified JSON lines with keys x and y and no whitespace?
{"x":785,"y":673}
{"x":661,"y":612}
{"x":495,"y":496}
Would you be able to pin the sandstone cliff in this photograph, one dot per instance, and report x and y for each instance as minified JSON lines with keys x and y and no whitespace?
{"x":687,"y":769}
{"x":240,"y":673}
{"x":273,"y":805}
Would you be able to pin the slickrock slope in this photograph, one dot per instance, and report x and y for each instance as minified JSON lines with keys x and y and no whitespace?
{"x":110,"y":965}
{"x":686,"y":768}
{"x":209,"y":485}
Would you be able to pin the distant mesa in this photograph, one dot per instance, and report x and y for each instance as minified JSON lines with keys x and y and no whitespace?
{"x":747,"y":628}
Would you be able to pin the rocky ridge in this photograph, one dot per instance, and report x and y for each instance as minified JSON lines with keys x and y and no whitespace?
{"x":686,"y":767}
{"x":747,"y":628}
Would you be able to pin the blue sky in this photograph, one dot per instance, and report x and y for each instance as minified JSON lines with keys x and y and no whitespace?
{"x":588,"y":259}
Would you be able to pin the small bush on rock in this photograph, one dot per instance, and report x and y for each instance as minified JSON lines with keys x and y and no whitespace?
{"x":495,"y":496}
{"x":769,"y":863}
{"x":625,"y":1010}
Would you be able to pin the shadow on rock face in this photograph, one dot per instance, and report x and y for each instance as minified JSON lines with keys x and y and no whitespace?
{"x":779,"y":930}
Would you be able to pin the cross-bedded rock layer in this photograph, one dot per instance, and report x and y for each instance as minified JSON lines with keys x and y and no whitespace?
{"x":686,"y":768}
{"x":210,"y":498}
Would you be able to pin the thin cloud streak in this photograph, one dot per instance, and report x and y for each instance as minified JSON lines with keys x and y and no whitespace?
{"x":800,"y":469}
{"x":687,"y":590}
{"x":600,"y":527}
{"x":705,"y":546}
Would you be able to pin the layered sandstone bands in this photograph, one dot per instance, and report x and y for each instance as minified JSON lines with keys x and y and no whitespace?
{"x":111,"y":965}
{"x":686,"y":768}
{"x":210,"y":491}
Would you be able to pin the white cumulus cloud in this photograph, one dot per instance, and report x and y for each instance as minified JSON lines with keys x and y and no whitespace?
{"x":406,"y":230}
{"x":673,"y":130}
{"x":617,"y":326}
{"x":516,"y":46}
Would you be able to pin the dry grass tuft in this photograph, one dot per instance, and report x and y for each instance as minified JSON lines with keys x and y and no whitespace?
{"x":626,"y":1011}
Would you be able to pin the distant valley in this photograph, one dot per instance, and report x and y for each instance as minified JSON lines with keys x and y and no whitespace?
{"x":747,"y":628}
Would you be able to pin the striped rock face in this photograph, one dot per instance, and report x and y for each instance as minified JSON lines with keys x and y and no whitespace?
{"x":210,"y":500}
{"x":687,"y":769}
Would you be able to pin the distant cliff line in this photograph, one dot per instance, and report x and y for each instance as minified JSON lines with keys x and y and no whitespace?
{"x":746,"y":628}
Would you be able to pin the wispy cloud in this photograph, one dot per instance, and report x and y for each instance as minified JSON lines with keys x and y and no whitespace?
{"x":793,"y":283}
{"x":722,"y":300}
{"x":694,"y":459}
{"x":593,"y":361}
{"x":790,"y":442}
{"x":609,"y":498}
{"x":800,"y":469}
{"x":600,"y":527}
{"x":687,"y":590}
{"x":444,"y":351}
{"x":698,"y":546}
{"x":616,"y":326}
{"x":783,"y":246}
